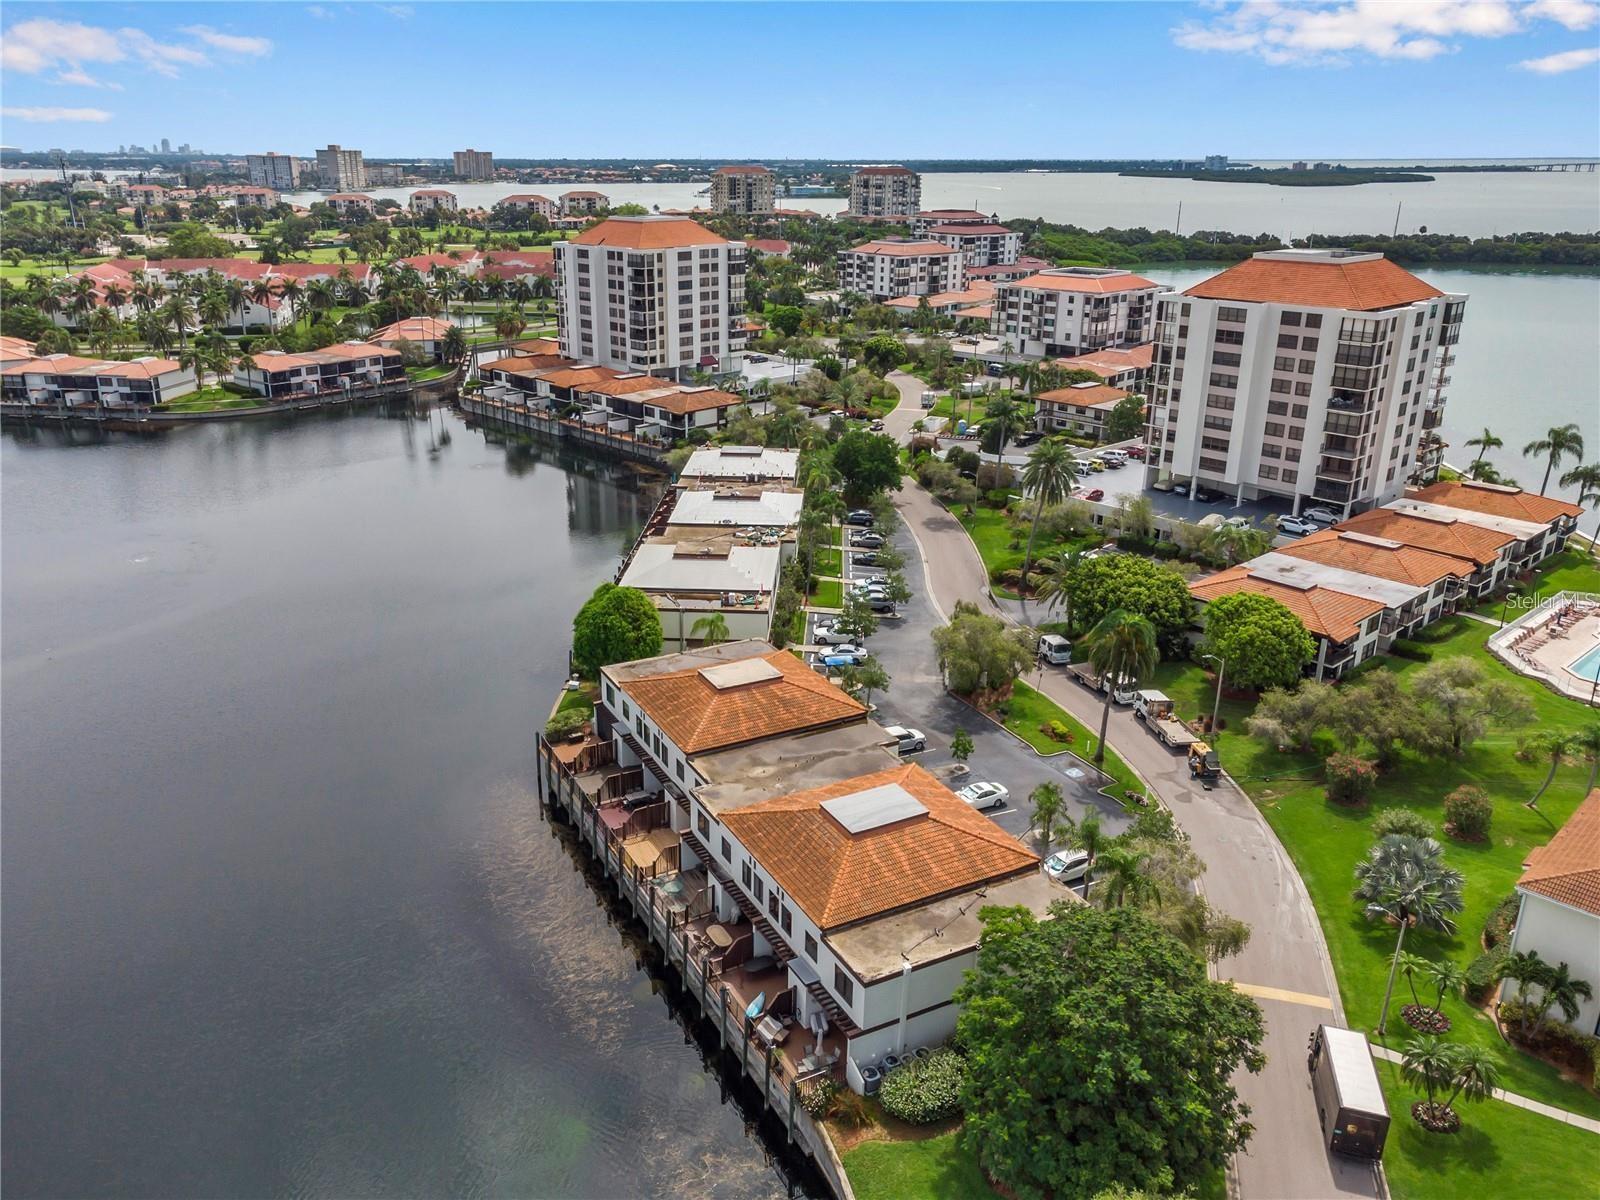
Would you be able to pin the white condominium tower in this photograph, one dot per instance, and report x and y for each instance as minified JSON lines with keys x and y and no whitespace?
{"x":662,"y":295}
{"x":743,"y":190}
{"x":894,"y":192}
{"x":1309,"y":376}
{"x":341,"y":170}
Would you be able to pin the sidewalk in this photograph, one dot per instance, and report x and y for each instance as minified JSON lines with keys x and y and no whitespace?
{"x":1588,"y":1124}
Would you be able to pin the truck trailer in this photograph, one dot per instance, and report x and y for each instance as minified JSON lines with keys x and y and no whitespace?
{"x":1350,"y":1104}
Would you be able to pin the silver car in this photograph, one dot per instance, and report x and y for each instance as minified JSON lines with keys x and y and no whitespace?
{"x":985,"y":795}
{"x":1067,"y":866}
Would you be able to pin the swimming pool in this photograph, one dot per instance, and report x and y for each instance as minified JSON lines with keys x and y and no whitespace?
{"x":1587,"y":665}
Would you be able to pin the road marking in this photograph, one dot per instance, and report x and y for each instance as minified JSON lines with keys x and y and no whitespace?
{"x":1271,"y":993}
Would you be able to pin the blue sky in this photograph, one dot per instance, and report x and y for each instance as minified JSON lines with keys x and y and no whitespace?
{"x":1325,"y":78}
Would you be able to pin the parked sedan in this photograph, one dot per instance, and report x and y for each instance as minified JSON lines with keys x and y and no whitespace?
{"x":844,"y":656}
{"x":868,"y":541}
{"x":876,"y":427}
{"x":1318,"y":513}
{"x":1207,"y":495}
{"x":1095,"y":494}
{"x":985,"y":795}
{"x":1067,"y":866}
{"x":1296,"y":526}
{"x":867,"y":558}
{"x":831,"y":635}
{"x":858,"y":516}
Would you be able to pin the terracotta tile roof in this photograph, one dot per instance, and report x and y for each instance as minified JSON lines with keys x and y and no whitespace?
{"x":626,"y":385}
{"x":970,"y":230}
{"x":358,"y":270}
{"x":1496,"y":501}
{"x":1351,"y":550}
{"x":1100,"y":285}
{"x":537,"y":346}
{"x":838,"y":877}
{"x":433,"y":192}
{"x":769,"y":245}
{"x":649,"y":233}
{"x":741,"y":171}
{"x":352,"y":196}
{"x":583,"y":195}
{"x":1567,"y":868}
{"x":272,"y":363}
{"x":980,"y":291}
{"x":884,"y":171}
{"x":414,"y":329}
{"x":1094,"y":396}
{"x":1111,"y":362}
{"x":526,"y":364}
{"x":13,"y":347}
{"x":577,"y":376}
{"x":1362,"y":286}
{"x":698,"y":716}
{"x":1025,"y":264}
{"x":952,"y":214}
{"x":975,"y":312}
{"x":424,"y":263}
{"x":231,"y":268}
{"x":526,"y":198}
{"x":906,"y":249}
{"x":1459,"y":538}
{"x":692,"y":400}
{"x":1336,"y":616}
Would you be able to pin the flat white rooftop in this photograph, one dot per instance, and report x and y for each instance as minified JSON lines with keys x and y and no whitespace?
{"x":781,"y":509}
{"x":1302,"y":573}
{"x":741,"y":462}
{"x":659,"y":567}
{"x":1513,"y":526}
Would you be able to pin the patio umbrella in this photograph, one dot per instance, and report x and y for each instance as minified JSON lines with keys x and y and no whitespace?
{"x":756,"y":1006}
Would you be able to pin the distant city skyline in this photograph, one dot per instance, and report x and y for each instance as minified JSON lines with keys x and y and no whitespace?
{"x":1327,"y":80}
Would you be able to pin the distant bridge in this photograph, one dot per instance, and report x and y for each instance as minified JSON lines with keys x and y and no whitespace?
{"x":1566,"y":166}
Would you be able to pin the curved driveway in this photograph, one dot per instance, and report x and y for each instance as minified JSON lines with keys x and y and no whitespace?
{"x":1285,"y":967}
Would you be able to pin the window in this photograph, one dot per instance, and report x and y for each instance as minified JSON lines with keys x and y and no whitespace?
{"x":1290,"y":476}
{"x":786,"y":921}
{"x":1273,"y":429}
{"x":1268,"y":472}
{"x":703,"y":824}
{"x":744,"y":874}
{"x":1215,"y":465}
{"x":1223,"y":359}
{"x":1313,"y":320}
{"x":811,"y":947}
{"x":1229,"y":337}
{"x":611,"y":695}
{"x":1289,"y":318}
{"x":1308,"y":343}
{"x":772,"y":904}
{"x":844,"y":987}
{"x":1281,"y":386}
{"x":1308,"y":366}
{"x":1278,"y":408}
{"x":759,"y":888}
{"x":1283,"y":362}
{"x":1219,"y":401}
{"x":1236,"y":315}
{"x":1288,"y":341}
{"x":1271,"y":451}
{"x":678,"y":767}
{"x":727,"y":851}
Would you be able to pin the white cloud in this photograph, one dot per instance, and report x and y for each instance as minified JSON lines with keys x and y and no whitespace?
{"x":320,"y":13}
{"x":400,"y":12}
{"x":230,"y":42}
{"x":78,"y":77}
{"x":1567,"y":60}
{"x":55,"y":114}
{"x":1332,"y":33}
{"x":164,"y":58}
{"x":37,"y":45}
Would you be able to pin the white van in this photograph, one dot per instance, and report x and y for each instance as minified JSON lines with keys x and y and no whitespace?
{"x":1114,"y":458}
{"x":1053,"y":648}
{"x":929,"y":399}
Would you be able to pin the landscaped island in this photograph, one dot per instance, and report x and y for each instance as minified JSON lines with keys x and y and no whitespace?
{"x":1283,"y":176}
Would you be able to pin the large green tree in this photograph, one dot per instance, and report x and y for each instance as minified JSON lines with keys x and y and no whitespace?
{"x":1261,"y":641}
{"x":978,"y":652}
{"x":1122,"y":650}
{"x":1133,"y":584}
{"x":1098,"y":1052}
{"x":1126,"y":420}
{"x":616,"y":624}
{"x":867,"y":463}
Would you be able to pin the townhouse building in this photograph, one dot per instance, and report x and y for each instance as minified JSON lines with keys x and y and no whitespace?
{"x":531,"y":202}
{"x":345,"y":203}
{"x":712,"y":466}
{"x":474,"y":164}
{"x":923,"y":223}
{"x":981,"y":245}
{"x":751,"y":190}
{"x":946,"y":304}
{"x":426,"y":334}
{"x":68,"y":381}
{"x":658,"y":294}
{"x":1308,"y":376}
{"x":583,"y":203}
{"x":1344,"y":626}
{"x":1079,"y":408}
{"x":1127,"y":368}
{"x":890,"y":268}
{"x":281,"y":172}
{"x":432,"y":200}
{"x":885,"y":192}
{"x":341,"y":170}
{"x":1065,"y":311}
{"x":278,"y":375}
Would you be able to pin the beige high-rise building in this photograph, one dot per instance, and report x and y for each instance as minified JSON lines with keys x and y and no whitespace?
{"x":474,"y":164}
{"x":886,"y":191}
{"x":341,"y":170}
{"x":743,"y":190}
{"x":280,"y":172}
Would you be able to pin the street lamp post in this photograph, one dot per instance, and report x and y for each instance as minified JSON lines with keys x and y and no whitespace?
{"x":1216,"y":703}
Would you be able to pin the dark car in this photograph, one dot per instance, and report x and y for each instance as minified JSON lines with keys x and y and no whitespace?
{"x":865,"y":559}
{"x":868,"y":541}
{"x":1206,"y":496}
{"x":858,"y":516}
{"x":1094,"y":494}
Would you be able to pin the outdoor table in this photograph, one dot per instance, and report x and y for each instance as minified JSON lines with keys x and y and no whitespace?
{"x":720,"y":937}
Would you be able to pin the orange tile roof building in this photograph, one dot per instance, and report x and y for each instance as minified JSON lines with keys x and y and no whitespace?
{"x":328,"y":371}
{"x":889,"y":268}
{"x":981,"y":245}
{"x":622,"y":301}
{"x":1080,"y":408}
{"x":1559,"y":917}
{"x":1304,"y":377}
{"x":1124,"y":368}
{"x":745,"y":191}
{"x":1345,"y":626}
{"x":1066,"y":311}
{"x":67,"y":381}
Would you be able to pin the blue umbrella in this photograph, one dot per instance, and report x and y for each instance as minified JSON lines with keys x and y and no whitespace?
{"x":756,"y":1006}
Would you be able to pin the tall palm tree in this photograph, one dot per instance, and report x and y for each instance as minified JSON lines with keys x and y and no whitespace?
{"x":1554,"y":745}
{"x":236,"y":293}
{"x":1586,"y":742}
{"x":1057,"y":570}
{"x":1404,"y":879}
{"x":710,"y":630}
{"x":213,"y":308}
{"x":785,"y":426}
{"x":519,"y":293}
{"x":321,"y":295}
{"x":1048,"y":478}
{"x":1561,"y":442}
{"x":291,"y":290}
{"x":179,"y":313}
{"x":1428,"y":1063}
{"x":455,"y":344}
{"x":1122,"y":648}
{"x":1586,"y":479}
{"x":115,"y":297}
{"x":1121,"y":879}
{"x":261,"y":293}
{"x":1006,"y":412}
{"x":1560,"y":989}
{"x":1485,"y":442}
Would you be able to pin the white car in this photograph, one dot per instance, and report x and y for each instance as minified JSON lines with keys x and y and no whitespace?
{"x":831,"y":635}
{"x":1296,"y":526}
{"x":1326,"y":515}
{"x":906,"y":740}
{"x":1067,"y":866}
{"x":1237,"y":522}
{"x":985,"y":795}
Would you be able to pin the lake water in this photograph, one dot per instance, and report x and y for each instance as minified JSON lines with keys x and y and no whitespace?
{"x":280,"y":914}
{"x":1529,"y":359}
{"x":1476,"y":204}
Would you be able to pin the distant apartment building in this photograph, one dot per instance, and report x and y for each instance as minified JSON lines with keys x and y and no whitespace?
{"x":432,"y":200}
{"x":474,"y":164}
{"x":528,"y":202}
{"x":67,"y":381}
{"x":341,"y":170}
{"x":385,"y":174}
{"x":1080,"y":408}
{"x":982,"y":244}
{"x":1216,"y":162}
{"x":744,"y":190}
{"x":658,"y":294}
{"x":258,"y":197}
{"x":345,"y":203}
{"x":892,"y":267}
{"x":278,"y":375}
{"x":922,"y":224}
{"x":583,"y":204}
{"x":1073,"y":310}
{"x":887,"y":191}
{"x":1310,"y":376}
{"x":280,"y":172}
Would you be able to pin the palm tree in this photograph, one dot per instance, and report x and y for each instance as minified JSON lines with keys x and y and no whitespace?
{"x":1048,"y":479}
{"x":710,"y":630}
{"x":291,"y":290}
{"x":1412,"y":965}
{"x":1485,"y":442}
{"x":785,"y":426}
{"x":1047,"y":802}
{"x":213,"y":308}
{"x":1006,"y":412}
{"x":507,"y":324}
{"x":1558,"y":443}
{"x":1057,"y":571}
{"x":178,"y":312}
{"x":1428,"y":1063}
{"x":261,"y":293}
{"x":1446,"y":976}
{"x":236,"y":293}
{"x":1587,"y":480}
{"x":1527,"y":970}
{"x":1554,"y":744}
{"x":1559,"y":988}
{"x":455,"y":344}
{"x":1403,"y":879}
{"x":1122,"y":648}
{"x":1121,"y":879}
{"x":1088,"y":837}
{"x":1587,"y":742}
{"x":115,"y":297}
{"x":519,"y":293}
{"x":1475,"y":1076}
{"x":321,"y":296}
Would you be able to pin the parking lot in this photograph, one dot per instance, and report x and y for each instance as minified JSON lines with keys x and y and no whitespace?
{"x":917,"y":698}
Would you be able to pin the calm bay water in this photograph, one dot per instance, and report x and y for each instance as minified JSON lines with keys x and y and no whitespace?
{"x":1476,"y":205}
{"x":281,"y":916}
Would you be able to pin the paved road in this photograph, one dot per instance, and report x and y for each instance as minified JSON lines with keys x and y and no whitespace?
{"x":1285,"y":967}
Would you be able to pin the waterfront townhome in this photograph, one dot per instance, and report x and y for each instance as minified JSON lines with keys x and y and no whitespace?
{"x":745,"y":191}
{"x":426,"y":334}
{"x":1492,"y":551}
{"x":892,"y":267}
{"x":1128,"y":368}
{"x":1544,"y":523}
{"x":891,"y":193}
{"x":1558,"y":917}
{"x":1066,"y":311}
{"x":1306,"y":376}
{"x":1445,"y":577}
{"x":67,"y":381}
{"x":432,"y":200}
{"x":692,"y":572}
{"x":981,"y":245}
{"x":584,"y":203}
{"x":1078,"y":408}
{"x":714,"y":466}
{"x":15,"y":350}
{"x":658,"y":294}
{"x":281,"y":376}
{"x":530,"y":202}
{"x":345,"y":203}
{"x":1345,"y":627}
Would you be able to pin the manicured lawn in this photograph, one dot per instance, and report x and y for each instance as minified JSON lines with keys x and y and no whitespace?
{"x":1028,"y":709}
{"x":1573,"y":570}
{"x":828,"y":594}
{"x":422,"y":374}
{"x":990,"y":529}
{"x":933,"y":1169}
{"x":828,"y":561}
{"x":212,"y":399}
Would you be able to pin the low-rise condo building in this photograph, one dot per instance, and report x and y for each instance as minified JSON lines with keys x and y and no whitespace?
{"x":716,"y":465}
{"x":1079,"y":408}
{"x":1128,"y":368}
{"x":984,"y":245}
{"x":1065,"y":311}
{"x":1307,"y":376}
{"x":885,"y":192}
{"x":425,"y":334}
{"x":744,"y":190}
{"x":329,"y":371}
{"x":345,"y":203}
{"x":68,"y":381}
{"x":531,"y":202}
{"x":893,"y":267}
{"x":584,"y":203}
{"x":433,"y":200}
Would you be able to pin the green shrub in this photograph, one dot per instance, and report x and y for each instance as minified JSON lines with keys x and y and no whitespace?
{"x":1481,"y":974}
{"x":925,"y":1090}
{"x":566,"y":723}
{"x":1551,"y":1039}
{"x":1056,"y":731}
{"x":1415,"y":651}
{"x":1402,"y":820}
{"x":1468,"y":813}
{"x":1497,"y":929}
{"x":1350,"y":778}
